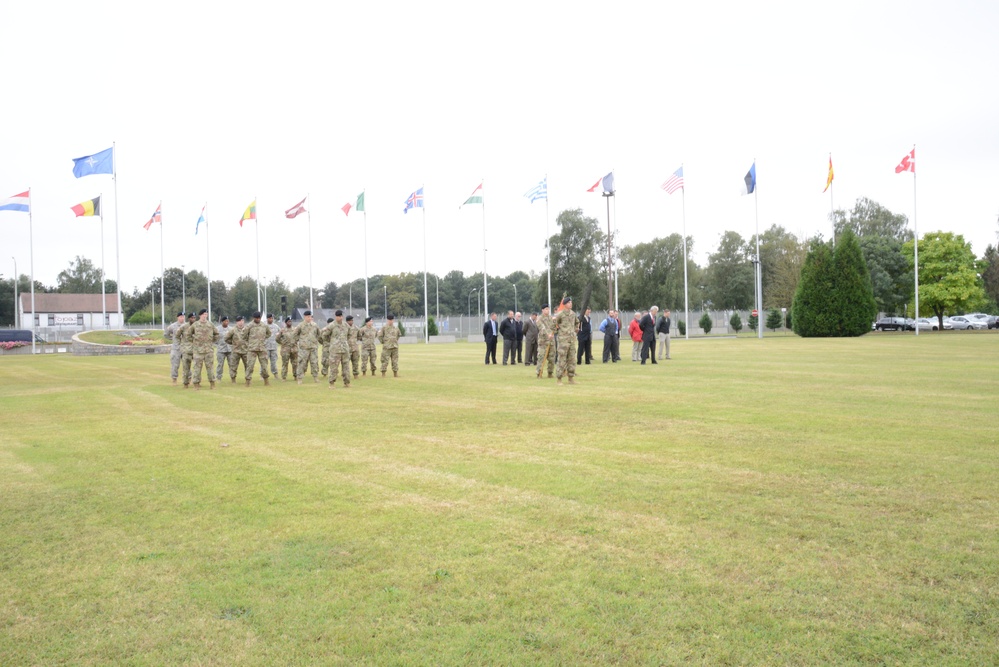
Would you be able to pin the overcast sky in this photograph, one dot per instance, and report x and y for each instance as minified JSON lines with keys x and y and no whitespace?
{"x":222,"y":102}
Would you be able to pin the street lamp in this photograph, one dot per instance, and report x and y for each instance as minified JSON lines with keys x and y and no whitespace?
{"x":16,"y":325}
{"x":474,"y":289}
{"x":183,"y":289}
{"x":265,"y":294}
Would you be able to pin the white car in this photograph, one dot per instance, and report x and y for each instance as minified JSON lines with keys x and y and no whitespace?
{"x":927,"y":324}
{"x":962,"y":322}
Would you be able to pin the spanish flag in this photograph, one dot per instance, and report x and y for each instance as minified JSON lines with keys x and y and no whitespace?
{"x":90,"y":207}
{"x":829,"y":179}
{"x":250,"y":213}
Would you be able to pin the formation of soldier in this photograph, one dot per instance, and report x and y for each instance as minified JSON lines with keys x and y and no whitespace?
{"x":347,"y":350}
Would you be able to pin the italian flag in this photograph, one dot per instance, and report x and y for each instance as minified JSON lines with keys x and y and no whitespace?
{"x":476,"y":196}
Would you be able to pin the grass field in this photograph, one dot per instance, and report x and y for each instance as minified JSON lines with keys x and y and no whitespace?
{"x":783,"y":501}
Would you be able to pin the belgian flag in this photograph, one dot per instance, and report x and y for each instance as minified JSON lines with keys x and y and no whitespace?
{"x":90,"y":207}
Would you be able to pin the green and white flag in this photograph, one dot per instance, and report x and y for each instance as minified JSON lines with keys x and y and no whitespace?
{"x":359,"y":206}
{"x":476,"y":197}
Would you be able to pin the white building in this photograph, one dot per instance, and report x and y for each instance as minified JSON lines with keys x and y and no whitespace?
{"x":69,"y":312}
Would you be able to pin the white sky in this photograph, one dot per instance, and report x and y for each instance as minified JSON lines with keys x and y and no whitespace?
{"x":224,"y":101}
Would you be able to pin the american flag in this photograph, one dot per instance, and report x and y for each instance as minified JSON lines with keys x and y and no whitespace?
{"x":674,"y":182}
{"x":415,"y":200}
{"x":157,"y":217}
{"x":296,"y":209}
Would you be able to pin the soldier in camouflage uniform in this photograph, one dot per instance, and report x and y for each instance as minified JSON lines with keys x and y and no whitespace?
{"x":307,"y":335}
{"x":224,"y":350}
{"x":339,"y":345}
{"x":324,"y":342}
{"x":388,"y":335}
{"x":256,"y":345}
{"x":353,"y":334}
{"x":289,"y":350}
{"x":566,"y":325}
{"x":204,"y":335}
{"x":368,"y":336}
{"x":186,"y":349}
{"x":272,"y":351}
{"x":236,"y":338}
{"x":175,"y":355}
{"x":546,"y":342}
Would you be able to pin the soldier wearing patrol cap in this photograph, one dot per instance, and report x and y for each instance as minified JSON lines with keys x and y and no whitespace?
{"x":353,"y":334}
{"x":566,"y":325}
{"x":307,"y":336}
{"x":272,"y":351}
{"x":256,"y":343}
{"x":223,"y":350}
{"x":289,"y":350}
{"x":546,"y":342}
{"x":175,"y":355}
{"x":187,"y":348}
{"x":236,"y":338}
{"x":324,"y":342}
{"x":389,"y":337}
{"x":204,"y":335}
{"x":336,"y":334}
{"x":368,"y":336}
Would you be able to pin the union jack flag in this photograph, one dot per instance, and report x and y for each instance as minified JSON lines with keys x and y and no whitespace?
{"x":415,"y":201}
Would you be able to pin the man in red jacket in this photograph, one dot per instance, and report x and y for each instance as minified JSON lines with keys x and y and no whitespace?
{"x":635,"y":331}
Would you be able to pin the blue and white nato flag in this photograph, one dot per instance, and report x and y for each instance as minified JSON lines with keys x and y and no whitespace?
{"x":98,"y":163}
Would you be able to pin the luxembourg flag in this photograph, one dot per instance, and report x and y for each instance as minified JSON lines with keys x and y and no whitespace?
{"x":19,"y":202}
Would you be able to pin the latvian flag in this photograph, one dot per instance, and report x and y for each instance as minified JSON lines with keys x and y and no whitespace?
{"x":19,"y":202}
{"x":89,"y":207}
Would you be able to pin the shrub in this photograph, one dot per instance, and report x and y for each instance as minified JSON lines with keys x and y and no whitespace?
{"x":753,"y":322}
{"x":735,"y":322}
{"x":432,"y":326}
{"x":141,"y":317}
{"x":705,"y":323}
{"x":681,"y":326}
{"x":402,"y":329}
{"x":787,"y":319}
{"x":834,"y":296}
{"x":774,"y":319}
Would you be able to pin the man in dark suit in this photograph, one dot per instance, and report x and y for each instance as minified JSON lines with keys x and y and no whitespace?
{"x":509,"y":332}
{"x":648,"y":327}
{"x":520,"y":337}
{"x":584,"y":338}
{"x":490,"y":331}
{"x":531,"y":340}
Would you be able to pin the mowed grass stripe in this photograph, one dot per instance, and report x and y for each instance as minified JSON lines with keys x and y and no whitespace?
{"x":747,"y":502}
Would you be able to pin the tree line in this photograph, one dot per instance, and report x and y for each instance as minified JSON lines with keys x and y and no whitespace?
{"x":649,"y":273}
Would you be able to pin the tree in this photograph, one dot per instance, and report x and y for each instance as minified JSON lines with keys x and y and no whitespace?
{"x":869,"y":218}
{"x":891,"y":276}
{"x":810,"y":312}
{"x":432,"y":326}
{"x":329,"y":299}
{"x":730,"y":273}
{"x":82,"y":277}
{"x":705,"y":323}
{"x":990,"y":275}
{"x":578,"y":253}
{"x":834,"y":295}
{"x":243,"y":297}
{"x":653,"y":272}
{"x":735,"y":322}
{"x":947,"y":277}
{"x":774,"y":319}
{"x":781,"y":256}
{"x":753,"y":322}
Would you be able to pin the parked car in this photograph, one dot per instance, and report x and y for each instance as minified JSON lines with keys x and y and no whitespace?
{"x":18,"y":335}
{"x":979,"y":317}
{"x":890,"y":324}
{"x":992,"y":322}
{"x":927,"y":324}
{"x":962,"y":322}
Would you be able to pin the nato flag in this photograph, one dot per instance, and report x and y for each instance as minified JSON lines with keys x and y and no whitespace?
{"x":98,"y":163}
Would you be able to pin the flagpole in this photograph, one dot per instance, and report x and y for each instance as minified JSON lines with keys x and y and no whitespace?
{"x":117,"y":252}
{"x":367,"y":310}
{"x":832,"y":209}
{"x":104,"y":313}
{"x":162,"y":278}
{"x":485,"y":274}
{"x":31,"y":256}
{"x":308,"y":212}
{"x":615,"y":263}
{"x":548,"y":244}
{"x":686,"y":304}
{"x":759,"y":265}
{"x":208,"y":261}
{"x":257,"y":227}
{"x":426,"y":301}
{"x":915,"y":244}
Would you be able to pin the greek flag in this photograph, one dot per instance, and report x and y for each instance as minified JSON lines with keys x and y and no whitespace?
{"x":539,"y":191}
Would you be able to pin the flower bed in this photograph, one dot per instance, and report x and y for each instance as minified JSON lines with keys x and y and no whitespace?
{"x":12,"y":344}
{"x":140,"y":341}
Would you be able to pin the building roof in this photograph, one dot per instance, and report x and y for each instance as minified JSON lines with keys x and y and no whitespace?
{"x":69,"y":303}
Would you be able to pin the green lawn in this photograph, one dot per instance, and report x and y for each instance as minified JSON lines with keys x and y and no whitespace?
{"x":115,"y":337}
{"x":774,"y":502}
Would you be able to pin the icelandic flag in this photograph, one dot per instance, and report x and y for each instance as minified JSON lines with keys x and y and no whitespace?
{"x":749,"y":182}
{"x":415,"y":200}
{"x":19,"y":202}
{"x":98,"y":163}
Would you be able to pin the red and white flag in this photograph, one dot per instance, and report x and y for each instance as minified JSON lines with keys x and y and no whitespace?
{"x":607,"y":181}
{"x":157,"y":217}
{"x":908,"y":163}
{"x":295,"y":210}
{"x":346,"y":208}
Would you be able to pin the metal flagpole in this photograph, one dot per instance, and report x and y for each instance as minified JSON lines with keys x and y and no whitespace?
{"x":257,"y":226}
{"x":308,"y":212}
{"x":426,"y":302}
{"x":485,"y":275}
{"x":208,"y":261}
{"x":915,"y":231}
{"x":759,"y":265}
{"x":686,"y":305}
{"x":548,"y":244}
{"x":367,"y":311}
{"x":162,"y":278}
{"x":104,"y":313}
{"x":832,"y":210}
{"x":31,"y":255}
{"x":117,"y":253}
{"x":615,"y":263}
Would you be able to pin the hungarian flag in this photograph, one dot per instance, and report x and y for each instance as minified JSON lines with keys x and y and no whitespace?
{"x":908,"y":163}
{"x":475,"y":197}
{"x":346,"y":208}
{"x":89,"y":207}
{"x":250,"y":213}
{"x":829,"y":178}
{"x":296,"y":209}
{"x":157,"y":217}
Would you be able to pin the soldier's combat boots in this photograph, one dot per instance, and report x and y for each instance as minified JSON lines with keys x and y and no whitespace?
{"x":247,"y":382}
{"x":175,"y":380}
{"x":395,"y":374}
{"x":213,"y":385}
{"x":267,"y":382}
{"x":572,"y":380}
{"x":383,"y":373}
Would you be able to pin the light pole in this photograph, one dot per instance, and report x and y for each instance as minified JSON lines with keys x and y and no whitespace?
{"x":16,"y":325}
{"x":183,"y":289}
{"x":701,"y":287}
{"x":265,"y":295}
{"x":515,"y":309}
{"x":437,"y":278}
{"x":474,"y":289}
{"x":385,"y":287}
{"x":152,"y":304}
